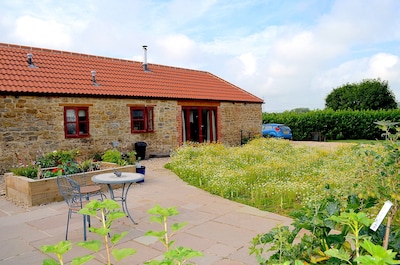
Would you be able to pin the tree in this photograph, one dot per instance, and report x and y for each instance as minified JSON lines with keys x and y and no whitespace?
{"x":369,"y":94}
{"x":300,"y":110}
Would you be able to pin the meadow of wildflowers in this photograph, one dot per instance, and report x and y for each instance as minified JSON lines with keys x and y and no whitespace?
{"x":271,"y":174}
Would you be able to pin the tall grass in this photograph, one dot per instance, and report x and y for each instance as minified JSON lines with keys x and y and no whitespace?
{"x":270,"y":174}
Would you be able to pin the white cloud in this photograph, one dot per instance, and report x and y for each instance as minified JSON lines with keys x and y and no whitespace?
{"x":249,"y":63}
{"x":381,"y":65}
{"x":289,"y":54}
{"x":41,"y":32}
{"x":384,"y":65}
{"x":175,"y":48}
{"x":297,"y":47}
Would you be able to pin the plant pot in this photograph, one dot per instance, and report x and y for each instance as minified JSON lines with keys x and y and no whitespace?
{"x":141,"y":170}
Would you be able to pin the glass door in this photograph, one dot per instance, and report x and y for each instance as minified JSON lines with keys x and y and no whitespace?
{"x":199,"y":124}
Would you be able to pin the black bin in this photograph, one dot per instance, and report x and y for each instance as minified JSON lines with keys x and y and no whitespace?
{"x":140,"y":148}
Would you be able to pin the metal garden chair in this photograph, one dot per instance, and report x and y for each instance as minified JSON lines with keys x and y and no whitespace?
{"x":88,"y":190}
{"x":72,"y":193}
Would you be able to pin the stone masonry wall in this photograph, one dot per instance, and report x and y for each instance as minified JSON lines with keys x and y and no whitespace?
{"x":236,"y":117}
{"x":31,"y":126}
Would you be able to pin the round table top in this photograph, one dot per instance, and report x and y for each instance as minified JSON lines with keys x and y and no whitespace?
{"x":111,"y":178}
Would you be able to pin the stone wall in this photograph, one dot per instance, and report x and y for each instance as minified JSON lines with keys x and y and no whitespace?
{"x":237,"y":117}
{"x":31,"y":126}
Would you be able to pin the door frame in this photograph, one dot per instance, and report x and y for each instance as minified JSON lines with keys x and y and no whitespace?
{"x":210,"y":122}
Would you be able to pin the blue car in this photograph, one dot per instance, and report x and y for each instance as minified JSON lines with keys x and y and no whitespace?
{"x":277,"y":130}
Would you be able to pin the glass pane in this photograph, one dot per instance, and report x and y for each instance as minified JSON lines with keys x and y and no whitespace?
{"x":213,"y":126}
{"x":150,"y":126}
{"x":184,"y":126}
{"x":205,"y":125}
{"x":71,"y":128}
{"x":82,"y":114}
{"x":138,"y":114}
{"x":194,"y":126}
{"x":82,"y":128}
{"x":150,"y":120}
{"x":71,"y":116}
{"x":138,"y":125}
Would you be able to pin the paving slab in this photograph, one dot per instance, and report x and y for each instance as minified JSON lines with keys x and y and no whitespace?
{"x":221,"y":229}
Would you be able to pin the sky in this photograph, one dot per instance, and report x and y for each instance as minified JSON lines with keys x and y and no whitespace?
{"x":290,"y":53}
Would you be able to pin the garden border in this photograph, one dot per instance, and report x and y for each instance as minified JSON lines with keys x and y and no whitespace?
{"x":31,"y":192}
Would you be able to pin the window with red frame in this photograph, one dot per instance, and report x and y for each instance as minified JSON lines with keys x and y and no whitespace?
{"x":76,"y":122}
{"x":142,"y":119}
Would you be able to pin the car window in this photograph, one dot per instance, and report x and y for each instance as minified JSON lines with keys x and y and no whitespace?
{"x":284,"y":128}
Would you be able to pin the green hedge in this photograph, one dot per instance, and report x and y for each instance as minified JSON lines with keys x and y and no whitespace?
{"x":334,"y":125}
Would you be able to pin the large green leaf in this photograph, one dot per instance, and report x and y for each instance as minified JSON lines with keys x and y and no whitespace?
{"x":93,"y":245}
{"x":102,"y":231}
{"x":117,"y":237}
{"x":379,"y":255}
{"x":50,"y":262}
{"x":340,"y":254}
{"x":120,"y":254}
{"x":61,"y":248}
{"x":82,"y":260}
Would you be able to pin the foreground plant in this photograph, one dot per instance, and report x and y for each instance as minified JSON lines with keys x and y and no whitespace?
{"x":280,"y":240}
{"x":355,"y":222}
{"x":319,"y":244}
{"x":106,"y":212}
{"x":172,"y":256}
{"x":385,"y":183}
{"x":364,"y":252}
{"x":356,"y":243}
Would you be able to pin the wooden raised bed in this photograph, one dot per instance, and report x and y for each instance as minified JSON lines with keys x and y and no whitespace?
{"x":30,"y":192}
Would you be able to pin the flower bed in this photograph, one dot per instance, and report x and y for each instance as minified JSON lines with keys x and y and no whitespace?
{"x":35,"y":182}
{"x":30,"y":192}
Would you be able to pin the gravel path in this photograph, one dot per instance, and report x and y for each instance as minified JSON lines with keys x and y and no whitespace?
{"x":325,"y":145}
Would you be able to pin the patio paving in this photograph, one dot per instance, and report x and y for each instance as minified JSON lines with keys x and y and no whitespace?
{"x":221,"y":229}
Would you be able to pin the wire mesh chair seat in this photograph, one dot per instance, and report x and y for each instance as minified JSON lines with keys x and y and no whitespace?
{"x":88,"y":190}
{"x":75,"y":199}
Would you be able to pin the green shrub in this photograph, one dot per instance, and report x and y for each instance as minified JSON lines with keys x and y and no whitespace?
{"x":56,"y":163}
{"x":115,"y":156}
{"x":334,"y":125}
{"x":313,"y":226}
{"x":89,"y":165}
{"x":97,"y":156}
{"x":26,"y":171}
{"x":111,"y":156}
{"x":56,"y":158}
{"x":57,"y":171}
{"x":61,"y":162}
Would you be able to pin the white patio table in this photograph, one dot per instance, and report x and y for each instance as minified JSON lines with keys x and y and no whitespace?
{"x":126,"y":179}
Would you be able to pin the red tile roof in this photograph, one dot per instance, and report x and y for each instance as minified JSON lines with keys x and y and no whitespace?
{"x":60,"y":72}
